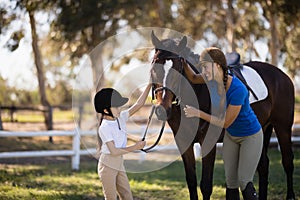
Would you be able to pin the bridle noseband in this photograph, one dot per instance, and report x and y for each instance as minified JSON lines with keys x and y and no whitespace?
{"x":177,"y":100}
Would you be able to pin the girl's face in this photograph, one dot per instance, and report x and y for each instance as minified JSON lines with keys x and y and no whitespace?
{"x":115,"y":111}
{"x":211,"y":71}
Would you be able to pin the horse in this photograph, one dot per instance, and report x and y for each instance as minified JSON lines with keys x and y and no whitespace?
{"x":274,"y":112}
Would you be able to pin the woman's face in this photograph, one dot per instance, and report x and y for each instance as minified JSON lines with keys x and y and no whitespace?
{"x":211,"y":71}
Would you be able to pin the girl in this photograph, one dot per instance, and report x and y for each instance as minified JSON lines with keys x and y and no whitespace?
{"x":243,"y":140}
{"x":113,"y":141}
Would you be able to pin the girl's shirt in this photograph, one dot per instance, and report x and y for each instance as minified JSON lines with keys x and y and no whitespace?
{"x":246,"y":122}
{"x":111,"y":130}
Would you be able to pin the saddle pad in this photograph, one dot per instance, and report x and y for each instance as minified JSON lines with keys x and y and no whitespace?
{"x":256,"y":83}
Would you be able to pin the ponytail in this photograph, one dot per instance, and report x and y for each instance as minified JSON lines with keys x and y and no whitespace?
{"x":223,"y":96}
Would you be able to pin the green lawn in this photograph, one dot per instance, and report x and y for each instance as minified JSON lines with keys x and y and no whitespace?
{"x":34,"y":116}
{"x":56,"y":180}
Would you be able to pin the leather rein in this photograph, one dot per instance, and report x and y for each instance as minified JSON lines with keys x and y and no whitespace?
{"x":176,"y":102}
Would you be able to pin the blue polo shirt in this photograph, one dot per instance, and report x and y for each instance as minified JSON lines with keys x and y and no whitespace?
{"x":246,"y":122}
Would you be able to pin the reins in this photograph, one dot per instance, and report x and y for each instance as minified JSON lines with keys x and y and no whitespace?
{"x":146,"y":150}
{"x":176,"y":102}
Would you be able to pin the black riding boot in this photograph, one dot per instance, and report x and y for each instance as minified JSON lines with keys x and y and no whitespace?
{"x":249,"y":192}
{"x":232,"y":194}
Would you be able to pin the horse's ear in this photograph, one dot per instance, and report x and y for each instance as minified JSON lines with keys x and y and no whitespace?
{"x":182,"y":44}
{"x":156,"y":42}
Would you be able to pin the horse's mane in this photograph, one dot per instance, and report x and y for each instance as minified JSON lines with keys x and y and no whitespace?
{"x":186,"y":53}
{"x":192,"y":59}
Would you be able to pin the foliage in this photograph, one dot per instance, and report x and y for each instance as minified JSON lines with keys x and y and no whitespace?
{"x":293,"y":52}
{"x":58,"y":181}
{"x":77,"y":27}
{"x":65,"y":93}
{"x":4,"y":91}
{"x":12,"y":96}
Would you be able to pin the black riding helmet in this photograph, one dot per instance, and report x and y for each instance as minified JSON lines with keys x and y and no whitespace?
{"x":107,"y":98}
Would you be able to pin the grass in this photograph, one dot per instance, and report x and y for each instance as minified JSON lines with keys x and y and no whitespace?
{"x":52,"y":178}
{"x":34,"y":116}
{"x":56,"y":180}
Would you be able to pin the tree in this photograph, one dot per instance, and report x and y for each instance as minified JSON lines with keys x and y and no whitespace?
{"x":30,"y":7}
{"x":233,"y":25}
{"x":81,"y":26}
{"x":293,"y":52}
{"x":283,"y":17}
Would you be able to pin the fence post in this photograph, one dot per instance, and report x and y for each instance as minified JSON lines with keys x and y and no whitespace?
{"x":76,"y":150}
{"x":197,"y":150}
{"x":142,"y":154}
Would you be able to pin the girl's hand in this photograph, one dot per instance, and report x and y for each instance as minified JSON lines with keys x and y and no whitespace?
{"x":140,"y":144}
{"x":190,"y":111}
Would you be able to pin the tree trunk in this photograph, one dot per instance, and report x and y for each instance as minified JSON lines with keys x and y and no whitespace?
{"x":274,"y":42}
{"x":270,"y":13}
{"x":96,"y":60}
{"x":40,"y":75}
{"x":231,"y":24}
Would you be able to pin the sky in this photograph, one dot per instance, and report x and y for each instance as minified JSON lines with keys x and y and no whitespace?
{"x":18,"y":66}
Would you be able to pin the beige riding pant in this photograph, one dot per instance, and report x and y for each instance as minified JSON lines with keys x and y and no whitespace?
{"x":241,"y":156}
{"x":114,"y":178}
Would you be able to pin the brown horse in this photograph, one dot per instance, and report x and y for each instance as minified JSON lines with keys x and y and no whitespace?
{"x":275,"y":112}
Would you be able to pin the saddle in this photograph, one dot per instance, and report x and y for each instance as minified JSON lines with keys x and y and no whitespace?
{"x":233,"y":62}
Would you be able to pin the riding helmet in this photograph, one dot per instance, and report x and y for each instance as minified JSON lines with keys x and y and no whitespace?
{"x":213,"y":54}
{"x":108,"y":97}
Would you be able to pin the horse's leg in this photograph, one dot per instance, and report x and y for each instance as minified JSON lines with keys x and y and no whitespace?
{"x":263,"y":165}
{"x":188,"y":158}
{"x":206,"y":184}
{"x":284,"y":139}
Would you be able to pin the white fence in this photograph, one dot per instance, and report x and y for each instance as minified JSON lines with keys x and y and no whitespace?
{"x":76,"y":150}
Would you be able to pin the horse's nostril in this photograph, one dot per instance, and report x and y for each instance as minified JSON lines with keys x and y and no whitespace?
{"x":161,"y":113}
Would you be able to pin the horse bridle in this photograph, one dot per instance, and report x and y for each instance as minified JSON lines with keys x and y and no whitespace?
{"x":176,"y":102}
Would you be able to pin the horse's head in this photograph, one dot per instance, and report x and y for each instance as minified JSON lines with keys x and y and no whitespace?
{"x":168,"y":83}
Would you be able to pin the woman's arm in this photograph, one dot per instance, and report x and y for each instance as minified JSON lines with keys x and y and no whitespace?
{"x":191,"y":75}
{"x":120,"y":151}
{"x":230,"y":115}
{"x":140,"y":102}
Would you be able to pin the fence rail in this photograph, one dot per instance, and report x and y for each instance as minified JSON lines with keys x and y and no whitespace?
{"x":76,"y":150}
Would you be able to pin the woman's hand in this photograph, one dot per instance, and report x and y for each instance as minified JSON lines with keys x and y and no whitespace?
{"x":190,"y":111}
{"x":184,"y":63}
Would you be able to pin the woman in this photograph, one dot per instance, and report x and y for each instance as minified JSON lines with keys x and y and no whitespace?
{"x":243,"y":140}
{"x":113,"y":141}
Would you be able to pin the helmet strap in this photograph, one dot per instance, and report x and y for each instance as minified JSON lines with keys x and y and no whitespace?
{"x":111,"y":115}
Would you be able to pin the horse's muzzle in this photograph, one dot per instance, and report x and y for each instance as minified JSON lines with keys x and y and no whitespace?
{"x":161,"y":113}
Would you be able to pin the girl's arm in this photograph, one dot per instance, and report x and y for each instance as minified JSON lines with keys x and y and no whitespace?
{"x":191,"y":75}
{"x":140,"y":102}
{"x":231,"y":114}
{"x":120,"y":151}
